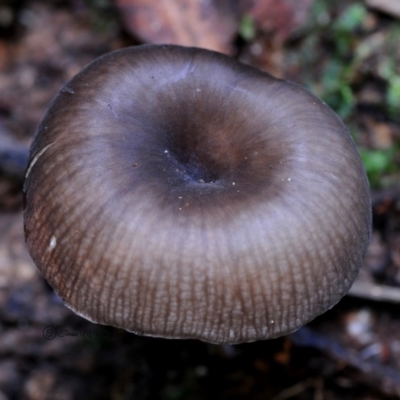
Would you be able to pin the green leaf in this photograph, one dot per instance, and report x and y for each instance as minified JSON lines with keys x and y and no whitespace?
{"x":247,"y":28}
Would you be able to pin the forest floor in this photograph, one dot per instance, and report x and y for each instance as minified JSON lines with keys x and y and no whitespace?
{"x":344,"y":52}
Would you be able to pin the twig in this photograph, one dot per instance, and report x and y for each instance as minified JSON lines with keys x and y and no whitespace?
{"x":372,"y":291}
{"x":299,"y":388}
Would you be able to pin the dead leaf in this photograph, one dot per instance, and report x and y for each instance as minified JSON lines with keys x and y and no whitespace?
{"x":209,"y":24}
{"x":279,"y":16}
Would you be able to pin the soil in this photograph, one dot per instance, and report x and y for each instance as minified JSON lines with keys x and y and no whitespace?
{"x":48,"y":352}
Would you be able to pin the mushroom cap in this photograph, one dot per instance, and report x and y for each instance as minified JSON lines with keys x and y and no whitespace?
{"x":176,"y":192}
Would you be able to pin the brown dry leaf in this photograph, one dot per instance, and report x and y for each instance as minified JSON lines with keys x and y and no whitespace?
{"x":279,"y":16}
{"x":208,"y":24}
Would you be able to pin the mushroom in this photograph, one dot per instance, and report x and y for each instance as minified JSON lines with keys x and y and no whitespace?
{"x":176,"y":192}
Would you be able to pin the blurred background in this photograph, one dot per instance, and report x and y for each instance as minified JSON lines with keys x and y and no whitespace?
{"x":347,"y":53}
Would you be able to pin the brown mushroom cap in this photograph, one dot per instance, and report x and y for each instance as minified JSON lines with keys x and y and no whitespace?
{"x":175,"y":192}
